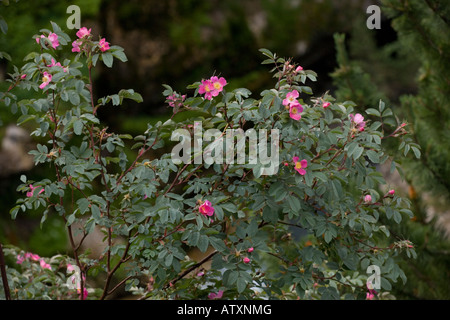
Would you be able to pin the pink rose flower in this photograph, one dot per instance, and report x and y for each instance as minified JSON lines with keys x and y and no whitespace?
{"x":391,"y":192}
{"x":20,"y":259}
{"x":207,"y":88}
{"x":295,"y":111}
{"x":368,"y":198}
{"x":32,"y":256}
{"x":218,"y":83}
{"x":250,"y":250}
{"x":103,"y":44}
{"x":212,"y":87}
{"x":76,"y":46}
{"x":44,"y":265}
{"x":300,"y":165}
{"x":326,"y":104}
{"x":206,"y":208}
{"x":217,"y":295}
{"x":82,"y":32}
{"x":45,"y":80}
{"x":52,"y":37}
{"x":291,"y":98}
{"x":358,"y":120}
{"x":246,"y":260}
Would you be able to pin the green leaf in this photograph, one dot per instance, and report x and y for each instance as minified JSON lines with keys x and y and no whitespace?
{"x":267,"y":53}
{"x":373,"y":156}
{"x":270,"y":215}
{"x":416,"y":152}
{"x":95,"y":59}
{"x":397,"y":217}
{"x":78,"y":127}
{"x":381,"y":106}
{"x":130,"y":94}
{"x":95,"y":210}
{"x":119,"y":54}
{"x":107,"y":58}
{"x":74,"y":98}
{"x":241,"y":284}
{"x":230,"y":277}
{"x":294,"y":203}
{"x":203,"y":243}
{"x":4,"y":55}
{"x":357,"y":152}
{"x":168,"y":260}
{"x":3,"y":25}
{"x":13,"y":212}
{"x":385,"y":284}
{"x":373,"y":112}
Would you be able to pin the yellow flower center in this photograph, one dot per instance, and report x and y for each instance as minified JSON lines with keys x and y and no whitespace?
{"x":294,"y":110}
{"x":217,"y":86}
{"x":298,"y":165}
{"x":45,"y":79}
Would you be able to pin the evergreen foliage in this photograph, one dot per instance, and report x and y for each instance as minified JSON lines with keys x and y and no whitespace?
{"x":421,"y":53}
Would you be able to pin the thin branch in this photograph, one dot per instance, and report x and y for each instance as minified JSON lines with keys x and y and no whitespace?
{"x":4,"y":276}
{"x":187,"y":271}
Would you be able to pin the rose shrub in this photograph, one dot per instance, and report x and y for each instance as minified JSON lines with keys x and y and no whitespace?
{"x":306,"y":231}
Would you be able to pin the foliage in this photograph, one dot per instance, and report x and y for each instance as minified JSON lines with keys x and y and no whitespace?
{"x":362,"y":75}
{"x":149,"y":209}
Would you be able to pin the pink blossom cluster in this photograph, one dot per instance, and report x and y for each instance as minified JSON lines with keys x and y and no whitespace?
{"x":212,"y":87}
{"x":213,"y":295}
{"x":291,"y":102}
{"x":83,"y":34}
{"x":52,"y":37}
{"x":31,"y":192}
{"x":57,"y":64}
{"x":247,"y":259}
{"x":33,"y":257}
{"x":47,"y":77}
{"x":175,"y":100}
{"x":358,"y":121}
{"x":290,"y":67}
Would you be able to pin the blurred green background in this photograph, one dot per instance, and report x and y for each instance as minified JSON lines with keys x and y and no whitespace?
{"x":178,"y":42}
